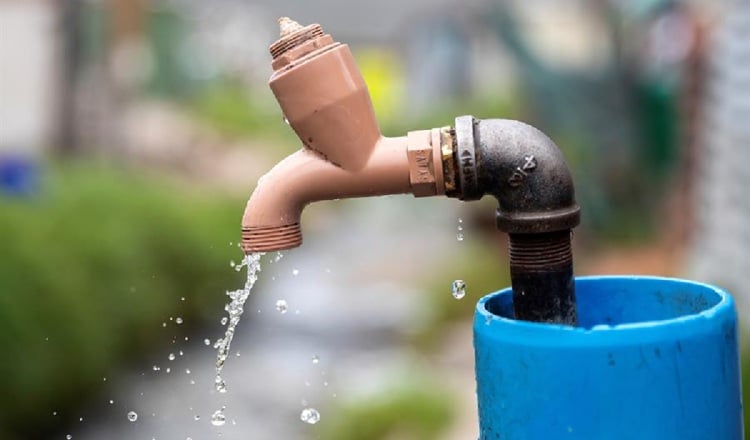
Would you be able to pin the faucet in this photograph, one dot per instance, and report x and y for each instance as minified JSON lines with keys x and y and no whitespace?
{"x":326,"y":102}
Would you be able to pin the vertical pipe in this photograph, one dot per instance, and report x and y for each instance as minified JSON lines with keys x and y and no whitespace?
{"x":541,"y":269}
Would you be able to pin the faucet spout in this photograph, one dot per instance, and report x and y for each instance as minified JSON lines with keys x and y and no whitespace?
{"x":272,"y":216}
{"x":325,"y":100}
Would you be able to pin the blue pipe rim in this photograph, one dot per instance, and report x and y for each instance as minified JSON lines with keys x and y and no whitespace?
{"x":546,"y":333}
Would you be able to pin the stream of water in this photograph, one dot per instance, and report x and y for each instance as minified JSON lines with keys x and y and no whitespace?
{"x":234,"y":308}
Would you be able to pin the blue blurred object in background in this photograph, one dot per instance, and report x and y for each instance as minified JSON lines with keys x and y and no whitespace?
{"x":19,"y":176}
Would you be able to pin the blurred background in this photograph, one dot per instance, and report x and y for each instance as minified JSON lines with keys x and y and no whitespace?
{"x":133,"y":131}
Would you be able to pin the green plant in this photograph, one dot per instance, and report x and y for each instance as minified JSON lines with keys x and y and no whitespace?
{"x":88,"y":272}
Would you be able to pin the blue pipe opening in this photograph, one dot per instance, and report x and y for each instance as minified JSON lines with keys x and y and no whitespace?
{"x":651,"y":358}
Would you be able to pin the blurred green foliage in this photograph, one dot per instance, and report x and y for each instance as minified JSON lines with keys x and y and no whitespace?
{"x":234,"y":110}
{"x":416,"y":410}
{"x":89,"y":270}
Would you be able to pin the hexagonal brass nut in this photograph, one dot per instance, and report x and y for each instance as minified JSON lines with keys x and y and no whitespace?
{"x":421,"y":163}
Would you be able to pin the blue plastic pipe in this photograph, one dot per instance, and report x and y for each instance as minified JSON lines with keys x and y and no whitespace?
{"x":652,"y":358}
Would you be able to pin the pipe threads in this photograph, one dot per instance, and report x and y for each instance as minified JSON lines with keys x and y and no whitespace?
{"x":540,"y":252}
{"x":271,"y":238}
{"x":295,"y":39}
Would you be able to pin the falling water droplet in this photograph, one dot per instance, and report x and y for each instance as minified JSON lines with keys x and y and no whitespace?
{"x":282,"y":306}
{"x":458,"y":289}
{"x":178,"y":320}
{"x":315,"y":359}
{"x":68,"y":437}
{"x":132,"y":416}
{"x":187,"y":370}
{"x":171,"y":356}
{"x":182,"y":298}
{"x":181,"y":353}
{"x":168,"y":370}
{"x":232,"y":263}
{"x":218,"y":418}
{"x":310,"y":415}
{"x":278,"y":257}
{"x":224,"y":320}
{"x":460,"y":228}
{"x":156,"y":368}
{"x":197,"y":417}
{"x":221,"y":386}
{"x":111,"y":402}
{"x":207,"y":341}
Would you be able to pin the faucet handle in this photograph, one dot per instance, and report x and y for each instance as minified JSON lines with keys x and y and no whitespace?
{"x":287,"y":27}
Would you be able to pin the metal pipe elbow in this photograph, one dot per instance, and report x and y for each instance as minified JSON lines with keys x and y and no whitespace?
{"x":522,"y":168}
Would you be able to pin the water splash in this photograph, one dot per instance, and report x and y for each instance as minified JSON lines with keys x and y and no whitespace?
{"x":310,"y":416}
{"x":132,"y":416}
{"x":282,"y":306}
{"x":235,"y":309}
{"x":218,"y":418}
